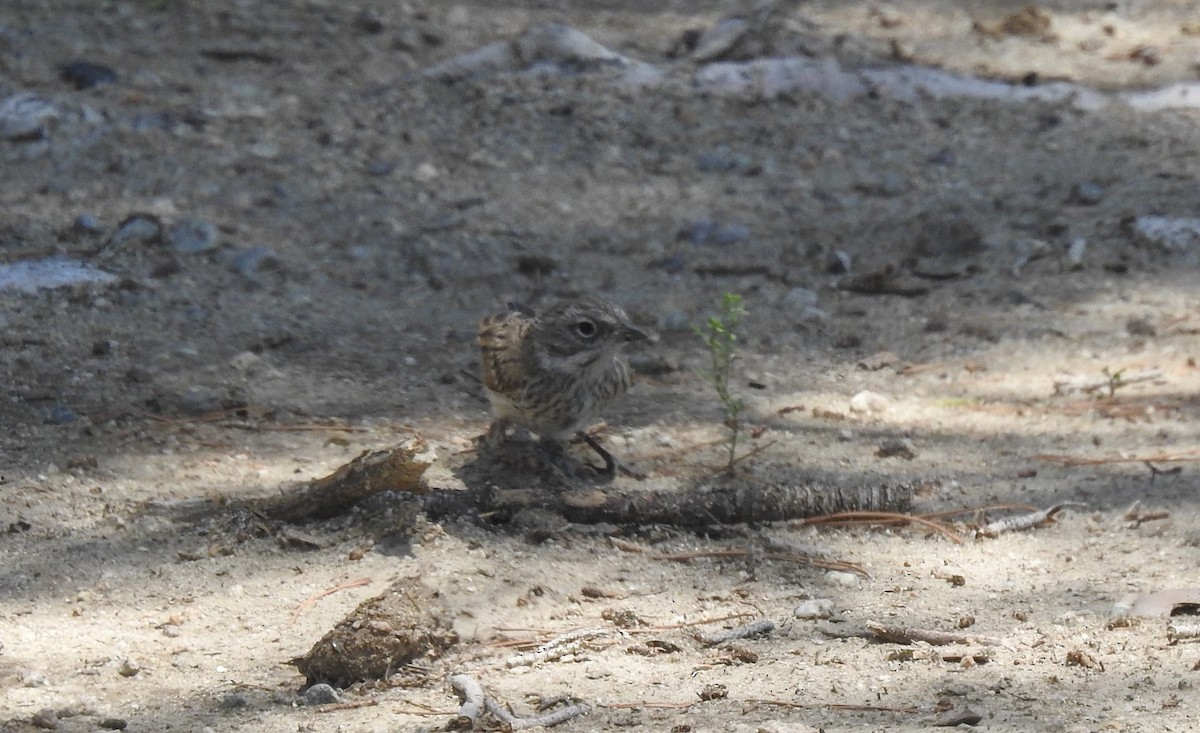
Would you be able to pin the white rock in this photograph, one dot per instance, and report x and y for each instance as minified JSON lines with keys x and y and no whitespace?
{"x":868,"y":401}
{"x":817,"y":608}
{"x":838,"y":577}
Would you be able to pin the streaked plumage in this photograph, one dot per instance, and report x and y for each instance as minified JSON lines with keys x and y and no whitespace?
{"x":555,"y":372}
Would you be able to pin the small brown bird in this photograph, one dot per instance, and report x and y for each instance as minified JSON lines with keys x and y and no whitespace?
{"x":553,"y":373}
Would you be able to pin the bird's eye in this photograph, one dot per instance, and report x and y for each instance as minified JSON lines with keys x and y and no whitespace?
{"x":586,"y":329}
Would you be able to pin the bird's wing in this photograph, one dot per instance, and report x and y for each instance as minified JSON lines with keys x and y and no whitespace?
{"x":500,"y":346}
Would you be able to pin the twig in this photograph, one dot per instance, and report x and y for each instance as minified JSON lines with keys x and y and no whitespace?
{"x":1065,"y":460}
{"x":853,"y":517}
{"x":653,"y":705}
{"x":685,"y":624}
{"x":836,"y":706}
{"x":979,"y":510}
{"x":333,"y":706}
{"x":475,"y":701}
{"x":471,"y":693}
{"x":558,"y":647}
{"x":1025,"y":521}
{"x":311,"y":600}
{"x":554,"y":717}
{"x":908,"y":634}
{"x":745,"y":631}
{"x":789,"y":557}
{"x":1069,"y":383}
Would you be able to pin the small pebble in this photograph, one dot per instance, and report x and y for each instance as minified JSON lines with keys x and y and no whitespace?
{"x":425,"y":173}
{"x":129,"y":668}
{"x":868,"y":401}
{"x":1076,"y":250}
{"x":86,"y":224}
{"x":31,"y":678}
{"x":136,"y":229}
{"x":1140,"y":327}
{"x":801,"y":298}
{"x":838,"y":262}
{"x":45,"y":718}
{"x":896,"y":448}
{"x":114,"y":723}
{"x":23,"y":116}
{"x":320,"y":694}
{"x":249,"y":262}
{"x":193,"y":234}
{"x":85,"y":74}
{"x":838,"y":577}
{"x":817,"y":608}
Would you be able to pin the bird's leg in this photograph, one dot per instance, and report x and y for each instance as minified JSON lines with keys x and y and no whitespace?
{"x":611,"y":464}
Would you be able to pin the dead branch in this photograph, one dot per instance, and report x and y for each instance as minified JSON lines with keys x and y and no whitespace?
{"x":558,"y":647}
{"x":471,"y":693}
{"x":334,"y":706}
{"x":508,"y":721}
{"x":725,"y":499}
{"x":1025,"y":521}
{"x":398,"y":469}
{"x":745,"y":631}
{"x":908,"y":635}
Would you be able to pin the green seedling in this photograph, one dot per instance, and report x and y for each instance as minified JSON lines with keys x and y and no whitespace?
{"x":719,"y":334}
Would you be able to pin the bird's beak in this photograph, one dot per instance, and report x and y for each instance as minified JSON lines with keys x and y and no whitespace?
{"x":633,"y":333}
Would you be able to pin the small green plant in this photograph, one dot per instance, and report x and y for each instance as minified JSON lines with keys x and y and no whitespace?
{"x":719,"y":334}
{"x":1115,"y":380}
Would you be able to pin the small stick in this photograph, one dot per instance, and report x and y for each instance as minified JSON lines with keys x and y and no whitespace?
{"x":1182,"y":632}
{"x":1067,"y":384}
{"x":685,"y":624}
{"x":745,"y":631}
{"x":884,"y":517}
{"x":1080,"y":461}
{"x":511,"y":722}
{"x":471,"y":693}
{"x":836,"y":706}
{"x":1155,"y":471}
{"x":557,"y":648}
{"x":333,"y":706}
{"x":1025,"y":521}
{"x":801,"y":559}
{"x":908,"y":634}
{"x":312,"y":600}
{"x":653,"y":705}
{"x":979,"y":509}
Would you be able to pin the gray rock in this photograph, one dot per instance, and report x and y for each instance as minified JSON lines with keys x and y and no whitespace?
{"x":193,"y":234}
{"x":816,"y":608}
{"x":320,"y":694}
{"x":45,"y":719}
{"x":136,"y":229}
{"x":23,"y":116}
{"x":86,"y":224}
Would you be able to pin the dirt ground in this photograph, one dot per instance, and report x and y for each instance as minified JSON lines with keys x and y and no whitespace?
{"x":365,"y":217}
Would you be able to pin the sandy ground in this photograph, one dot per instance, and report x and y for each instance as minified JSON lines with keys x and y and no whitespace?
{"x":366,"y":217}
